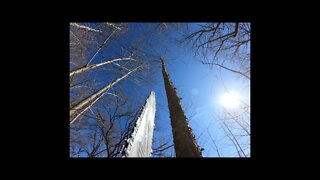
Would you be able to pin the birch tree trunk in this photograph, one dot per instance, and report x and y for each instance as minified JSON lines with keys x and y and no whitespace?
{"x":86,"y":68}
{"x":85,"y":27}
{"x":80,"y":108}
{"x":183,"y":138}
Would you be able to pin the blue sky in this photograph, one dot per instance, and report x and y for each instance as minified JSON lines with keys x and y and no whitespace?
{"x":199,"y":87}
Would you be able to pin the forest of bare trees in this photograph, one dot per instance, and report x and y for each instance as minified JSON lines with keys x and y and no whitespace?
{"x":112,"y":73}
{"x":101,"y":114}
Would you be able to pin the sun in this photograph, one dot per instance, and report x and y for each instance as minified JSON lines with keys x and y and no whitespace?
{"x":230,"y":100}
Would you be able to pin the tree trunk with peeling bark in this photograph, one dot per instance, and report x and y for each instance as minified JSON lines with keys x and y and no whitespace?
{"x":184,"y":142}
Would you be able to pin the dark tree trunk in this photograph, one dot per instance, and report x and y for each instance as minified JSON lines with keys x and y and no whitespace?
{"x":183,"y":138}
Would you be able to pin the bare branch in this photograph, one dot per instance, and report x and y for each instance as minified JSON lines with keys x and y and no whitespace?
{"x":96,"y":96}
{"x":224,"y":67}
{"x":85,"y":27}
{"x":113,"y":26}
{"x":86,"y":68}
{"x":214,"y":144}
{"x":234,"y":139}
{"x":105,"y":41}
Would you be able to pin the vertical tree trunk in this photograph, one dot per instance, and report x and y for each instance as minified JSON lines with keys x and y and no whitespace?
{"x":184,"y":141}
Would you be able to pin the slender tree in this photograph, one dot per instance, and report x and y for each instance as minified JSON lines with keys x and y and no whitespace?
{"x":86,"y":68}
{"x":85,"y":104}
{"x":184,"y":142}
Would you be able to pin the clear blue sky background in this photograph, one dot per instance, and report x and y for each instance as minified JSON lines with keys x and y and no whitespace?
{"x":199,"y":87}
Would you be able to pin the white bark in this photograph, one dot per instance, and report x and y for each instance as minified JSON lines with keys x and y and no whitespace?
{"x":85,"y":68}
{"x":140,"y":142}
{"x":85,"y":27}
{"x":113,"y":26}
{"x":88,"y":107}
{"x":95,"y":97}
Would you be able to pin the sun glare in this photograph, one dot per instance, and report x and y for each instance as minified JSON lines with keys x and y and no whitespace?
{"x":230,"y":100}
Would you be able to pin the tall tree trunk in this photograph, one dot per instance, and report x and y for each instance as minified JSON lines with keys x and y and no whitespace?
{"x":80,"y":108}
{"x":183,"y":138}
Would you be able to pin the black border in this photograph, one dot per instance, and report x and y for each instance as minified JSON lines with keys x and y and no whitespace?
{"x":56,"y":132}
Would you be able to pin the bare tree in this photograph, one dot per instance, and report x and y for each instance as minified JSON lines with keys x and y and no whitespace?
{"x":221,"y":42}
{"x":90,"y":67}
{"x":85,"y":104}
{"x":184,"y":141}
{"x":215,"y":145}
{"x":108,"y":132}
{"x":236,"y":126}
{"x":102,"y":60}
